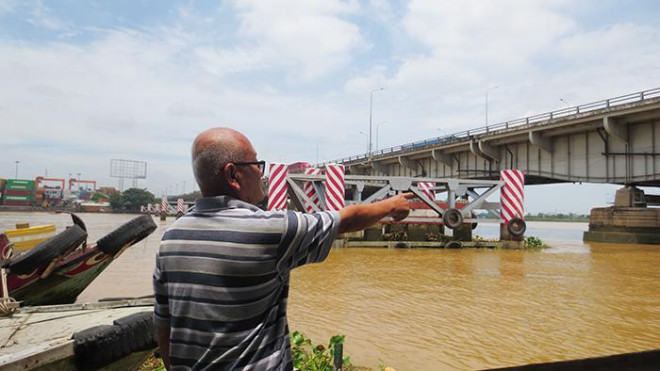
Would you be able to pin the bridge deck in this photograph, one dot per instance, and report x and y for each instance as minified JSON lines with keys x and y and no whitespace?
{"x":611,"y":141}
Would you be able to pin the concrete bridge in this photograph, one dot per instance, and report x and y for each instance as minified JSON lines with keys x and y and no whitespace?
{"x":616,"y":141}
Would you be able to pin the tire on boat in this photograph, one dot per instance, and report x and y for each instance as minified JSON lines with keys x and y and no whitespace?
{"x":516,"y":227}
{"x":97,"y":346}
{"x":452,"y":218}
{"x":127,"y":234}
{"x":138,"y":331}
{"x":46,"y":251}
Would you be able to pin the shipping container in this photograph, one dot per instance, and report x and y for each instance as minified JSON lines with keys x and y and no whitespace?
{"x":16,"y":203}
{"x":12,"y":198}
{"x":11,"y":192}
{"x":20,"y":185}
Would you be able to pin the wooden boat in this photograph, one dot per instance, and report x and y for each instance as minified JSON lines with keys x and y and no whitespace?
{"x":57,"y":270}
{"x":25,"y":237}
{"x":114,"y":335}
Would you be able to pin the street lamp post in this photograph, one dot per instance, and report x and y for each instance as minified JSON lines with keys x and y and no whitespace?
{"x":371,"y":111}
{"x":377,"y":130}
{"x":367,"y":138}
{"x":487,"y":89}
{"x":16,"y":174}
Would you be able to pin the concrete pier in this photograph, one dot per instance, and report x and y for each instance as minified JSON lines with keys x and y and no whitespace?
{"x":628,"y":221}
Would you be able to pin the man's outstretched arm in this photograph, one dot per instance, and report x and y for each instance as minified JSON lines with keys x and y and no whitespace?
{"x":358,"y":217}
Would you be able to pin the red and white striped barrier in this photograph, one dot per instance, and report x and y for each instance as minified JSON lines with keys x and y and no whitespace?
{"x":513,"y":195}
{"x":425,"y":188}
{"x":277,"y":187}
{"x":310,"y":191}
{"x":179,"y":206}
{"x":163,"y":205}
{"x":150,"y":208}
{"x":334,"y":187}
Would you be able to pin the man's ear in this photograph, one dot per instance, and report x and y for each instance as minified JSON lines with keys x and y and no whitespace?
{"x":230,"y":173}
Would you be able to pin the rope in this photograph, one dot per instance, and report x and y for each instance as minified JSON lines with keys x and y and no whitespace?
{"x":8,"y":306}
{"x":7,"y":252}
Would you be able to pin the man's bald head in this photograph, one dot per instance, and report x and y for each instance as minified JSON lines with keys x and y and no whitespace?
{"x":211,"y":151}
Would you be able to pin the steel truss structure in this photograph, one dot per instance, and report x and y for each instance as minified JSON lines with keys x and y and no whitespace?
{"x":471,"y":193}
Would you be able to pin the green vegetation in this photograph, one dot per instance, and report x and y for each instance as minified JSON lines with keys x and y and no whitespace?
{"x":438,"y":237}
{"x":534,"y":242}
{"x":310,"y":357}
{"x":557,"y":217}
{"x":307,"y":356}
{"x":131,"y":199}
{"x":398,"y":235}
{"x":99,"y":197}
{"x":153,"y":363}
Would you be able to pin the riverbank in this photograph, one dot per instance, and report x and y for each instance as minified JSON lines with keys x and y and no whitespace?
{"x":38,"y":209}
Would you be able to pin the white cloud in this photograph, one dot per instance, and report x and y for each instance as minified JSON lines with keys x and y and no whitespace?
{"x":311,"y":36}
{"x":42,"y":17}
{"x":503,"y":32}
{"x":7,"y":6}
{"x":590,"y":47}
{"x":534,"y":51}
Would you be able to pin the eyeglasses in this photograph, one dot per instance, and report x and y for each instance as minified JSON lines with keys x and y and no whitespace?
{"x":260,"y":164}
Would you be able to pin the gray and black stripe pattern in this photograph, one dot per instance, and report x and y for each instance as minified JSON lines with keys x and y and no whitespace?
{"x":222,"y":281}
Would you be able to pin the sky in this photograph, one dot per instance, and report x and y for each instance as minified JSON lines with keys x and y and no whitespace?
{"x":84,"y":82}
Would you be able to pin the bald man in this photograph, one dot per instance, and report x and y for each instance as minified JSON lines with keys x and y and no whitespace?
{"x":222,"y":271}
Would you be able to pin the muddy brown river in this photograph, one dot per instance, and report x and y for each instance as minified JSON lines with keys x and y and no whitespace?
{"x":425,"y":309}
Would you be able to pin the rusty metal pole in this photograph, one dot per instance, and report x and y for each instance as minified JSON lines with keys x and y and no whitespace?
{"x":338,"y":357}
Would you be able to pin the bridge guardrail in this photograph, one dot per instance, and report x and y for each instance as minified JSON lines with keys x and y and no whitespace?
{"x":530,"y":120}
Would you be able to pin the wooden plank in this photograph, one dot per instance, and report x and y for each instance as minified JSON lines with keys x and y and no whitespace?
{"x":37,"y":355}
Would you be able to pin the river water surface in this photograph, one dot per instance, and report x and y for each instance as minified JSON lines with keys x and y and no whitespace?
{"x":426,"y":309}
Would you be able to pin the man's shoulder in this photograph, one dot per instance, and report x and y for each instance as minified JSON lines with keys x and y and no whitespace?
{"x":230,"y":219}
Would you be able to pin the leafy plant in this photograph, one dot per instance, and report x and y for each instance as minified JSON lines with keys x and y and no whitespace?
{"x":534,"y":242}
{"x":395,"y":236}
{"x":308,"y":356}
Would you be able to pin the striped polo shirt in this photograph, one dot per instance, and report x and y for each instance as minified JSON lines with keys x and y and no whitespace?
{"x":222,"y":280}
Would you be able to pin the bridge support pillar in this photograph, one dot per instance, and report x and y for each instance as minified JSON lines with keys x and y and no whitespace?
{"x":506,"y":236}
{"x":463,"y":233}
{"x":628,"y":221}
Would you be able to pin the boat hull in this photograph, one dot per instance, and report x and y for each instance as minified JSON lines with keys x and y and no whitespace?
{"x":70,"y":278}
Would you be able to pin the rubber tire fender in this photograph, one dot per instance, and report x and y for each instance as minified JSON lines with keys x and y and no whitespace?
{"x":452,"y":218}
{"x":97,"y":346}
{"x":138,"y":331}
{"x":516,"y":227}
{"x":42,"y":254}
{"x":127,"y":234}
